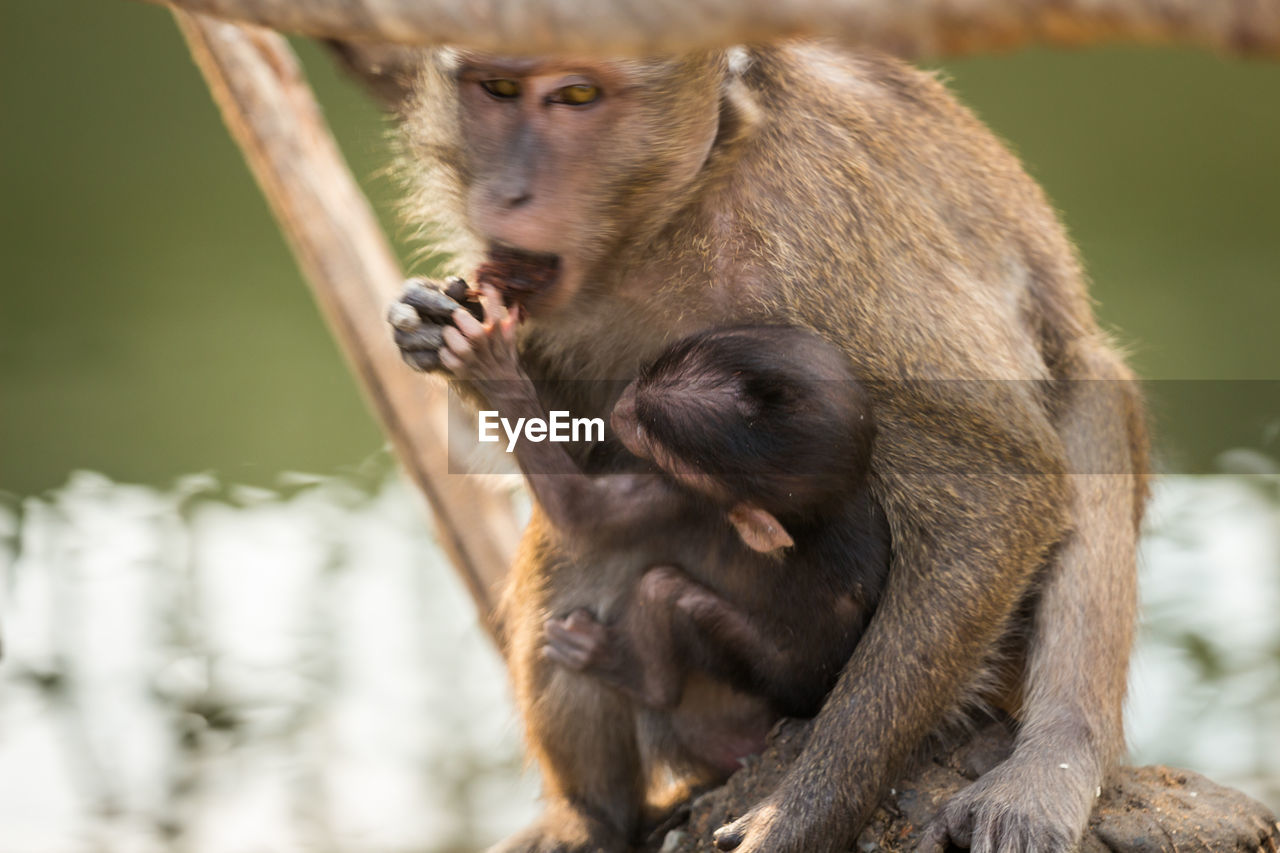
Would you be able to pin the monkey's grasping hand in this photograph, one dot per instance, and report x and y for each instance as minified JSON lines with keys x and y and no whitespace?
{"x":484,"y":351}
{"x":419,"y":317}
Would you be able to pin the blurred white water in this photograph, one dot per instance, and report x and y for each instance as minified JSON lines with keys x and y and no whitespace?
{"x":223,"y":670}
{"x":238,"y":670}
{"x":1204,"y":689}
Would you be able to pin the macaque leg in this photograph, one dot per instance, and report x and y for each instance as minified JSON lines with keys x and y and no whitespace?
{"x":1071,"y":726}
{"x":724,"y":633}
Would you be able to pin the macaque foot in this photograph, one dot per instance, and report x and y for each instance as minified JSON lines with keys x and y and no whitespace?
{"x":577,"y":641}
{"x":564,"y":831}
{"x":785,"y":824}
{"x":419,"y":318}
{"x":1019,"y":805}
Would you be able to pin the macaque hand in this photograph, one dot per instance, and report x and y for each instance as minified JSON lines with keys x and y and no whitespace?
{"x":422,"y":313}
{"x":483,"y":350}
{"x":577,"y":641}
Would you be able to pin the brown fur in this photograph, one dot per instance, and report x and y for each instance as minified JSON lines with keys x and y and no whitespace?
{"x":850,"y":194}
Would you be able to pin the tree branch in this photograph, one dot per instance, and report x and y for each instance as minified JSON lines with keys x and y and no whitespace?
{"x":913,"y":29}
{"x":257,"y":82}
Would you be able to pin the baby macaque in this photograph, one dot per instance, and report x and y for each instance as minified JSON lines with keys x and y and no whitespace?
{"x":751,"y":552}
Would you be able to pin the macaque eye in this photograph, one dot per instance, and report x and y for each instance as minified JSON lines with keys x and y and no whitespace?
{"x":577,"y":94}
{"x":502,"y":88}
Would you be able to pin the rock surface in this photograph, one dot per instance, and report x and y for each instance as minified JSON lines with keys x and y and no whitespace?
{"x":1141,"y":810}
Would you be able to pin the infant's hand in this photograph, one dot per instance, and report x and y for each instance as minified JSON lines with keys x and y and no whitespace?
{"x":483,"y":350}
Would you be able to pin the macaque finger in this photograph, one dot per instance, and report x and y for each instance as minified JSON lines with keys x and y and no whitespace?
{"x":430,"y":303}
{"x":458,"y":344}
{"x":457,"y":289}
{"x":563,"y":651}
{"x":468,"y":325}
{"x":563,"y":658}
{"x":495,"y":309}
{"x":566,"y":638}
{"x":403,"y":317}
{"x":581,"y":620}
{"x":509,"y":325}
{"x":426,"y":338}
{"x":451,"y":362}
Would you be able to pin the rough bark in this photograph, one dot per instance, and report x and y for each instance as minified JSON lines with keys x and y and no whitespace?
{"x":617,"y":27}
{"x":269,"y":108}
{"x":1141,"y":809}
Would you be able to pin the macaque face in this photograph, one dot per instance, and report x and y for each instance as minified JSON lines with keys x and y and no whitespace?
{"x":562,"y":156}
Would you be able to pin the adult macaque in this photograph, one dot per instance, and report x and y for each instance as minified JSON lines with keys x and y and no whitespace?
{"x":762,"y":438}
{"x":847,"y":193}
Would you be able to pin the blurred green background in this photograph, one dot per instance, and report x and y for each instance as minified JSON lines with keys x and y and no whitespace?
{"x":152,"y":322}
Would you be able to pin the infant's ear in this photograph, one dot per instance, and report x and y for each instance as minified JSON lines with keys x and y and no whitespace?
{"x":759,"y":530}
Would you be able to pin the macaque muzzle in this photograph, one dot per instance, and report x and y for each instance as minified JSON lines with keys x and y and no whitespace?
{"x":518,"y":275}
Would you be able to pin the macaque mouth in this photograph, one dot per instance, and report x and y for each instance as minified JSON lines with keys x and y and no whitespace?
{"x":517,"y":274}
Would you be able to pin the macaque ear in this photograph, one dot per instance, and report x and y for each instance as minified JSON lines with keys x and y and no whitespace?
{"x":759,"y":529}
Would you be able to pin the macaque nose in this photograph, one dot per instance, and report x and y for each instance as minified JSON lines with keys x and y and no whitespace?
{"x":512,"y":190}
{"x":516,"y":198}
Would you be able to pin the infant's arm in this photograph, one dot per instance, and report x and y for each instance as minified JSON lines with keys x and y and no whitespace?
{"x":484,"y":353}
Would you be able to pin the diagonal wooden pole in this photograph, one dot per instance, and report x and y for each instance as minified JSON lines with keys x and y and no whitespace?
{"x":271,"y":112}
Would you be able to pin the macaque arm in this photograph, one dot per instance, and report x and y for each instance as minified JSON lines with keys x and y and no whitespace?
{"x":965,"y":552}
{"x":482,"y":353}
{"x":608,"y":505}
{"x":710,"y":630}
{"x":605,"y":505}
{"x":726,"y":632}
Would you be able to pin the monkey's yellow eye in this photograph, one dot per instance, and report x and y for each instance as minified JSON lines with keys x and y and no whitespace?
{"x":577,"y":94}
{"x":502,"y":88}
